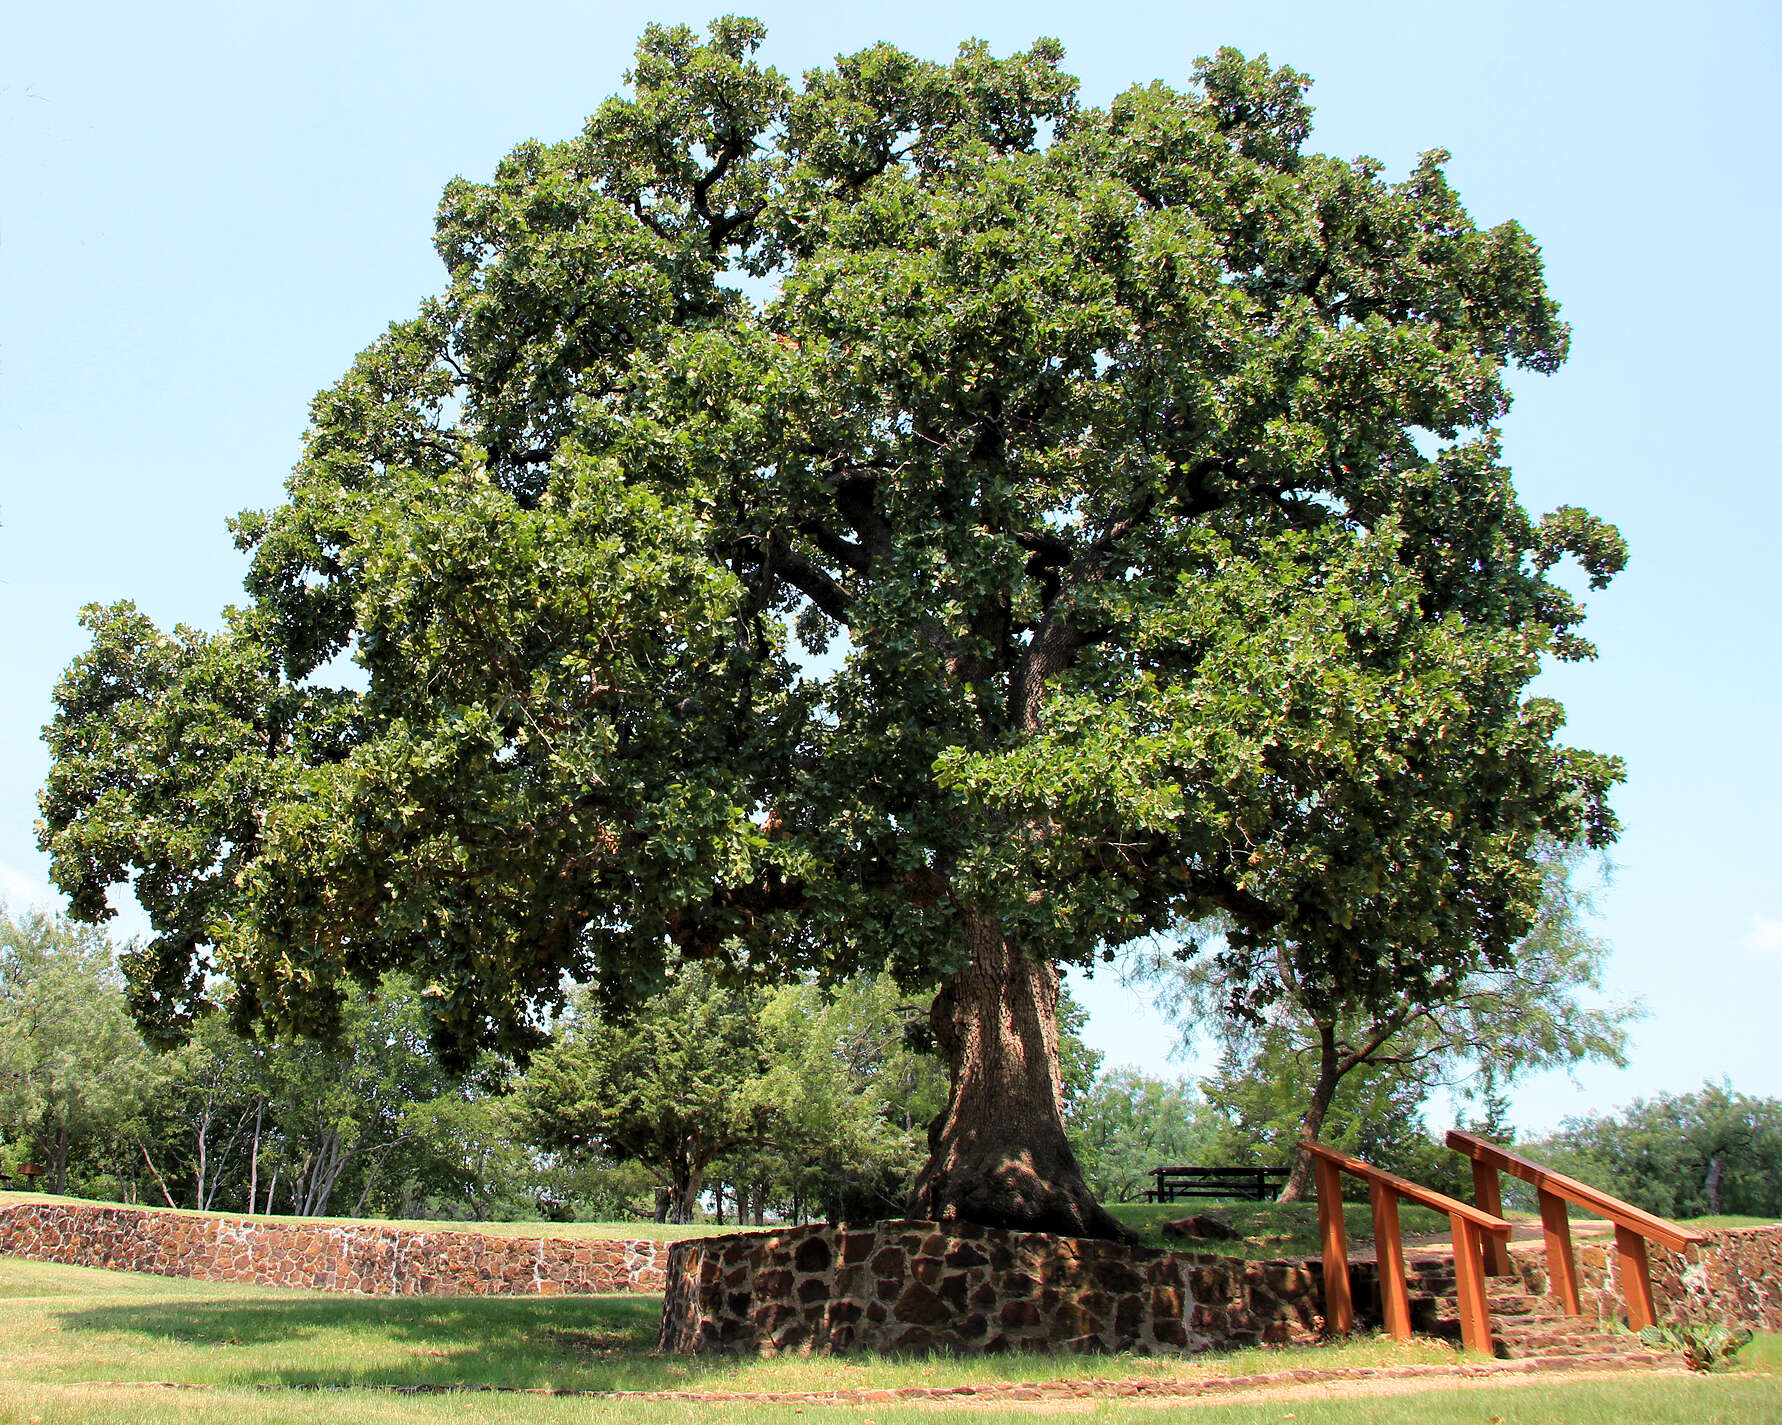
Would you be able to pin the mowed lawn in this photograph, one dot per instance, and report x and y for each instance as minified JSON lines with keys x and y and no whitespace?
{"x":84,"y":1346}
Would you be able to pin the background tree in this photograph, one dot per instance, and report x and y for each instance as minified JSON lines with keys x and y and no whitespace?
{"x":1127,"y":1123}
{"x":677,"y":1082}
{"x":1303,"y":1060}
{"x":852,"y":1092}
{"x":1090,"y":435}
{"x":342,"y":1111}
{"x":211,"y":1112}
{"x":1709,"y":1152}
{"x":73,"y":1074}
{"x":471,"y":1151}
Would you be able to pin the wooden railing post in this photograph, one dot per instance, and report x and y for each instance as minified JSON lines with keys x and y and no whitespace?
{"x":1634,"y":1228}
{"x":1469,"y":1281}
{"x":1562,"y":1267}
{"x":1339,"y":1309}
{"x":1488,"y":1198}
{"x":1636,"y":1278}
{"x":1389,"y":1252}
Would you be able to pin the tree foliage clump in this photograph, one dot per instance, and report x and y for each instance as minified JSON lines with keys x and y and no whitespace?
{"x":1138,"y":464}
{"x":1127,"y":1123}
{"x":1707,"y":1153}
{"x":1312,"y":1059}
{"x":74,"y":1075}
{"x":679,"y":1081}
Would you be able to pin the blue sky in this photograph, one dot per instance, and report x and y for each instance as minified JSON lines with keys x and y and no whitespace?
{"x":205,"y":210}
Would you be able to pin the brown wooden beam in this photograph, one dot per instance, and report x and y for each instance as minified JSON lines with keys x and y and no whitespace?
{"x":1562,"y":1268}
{"x":1389,"y":1251}
{"x":1339,"y":1308}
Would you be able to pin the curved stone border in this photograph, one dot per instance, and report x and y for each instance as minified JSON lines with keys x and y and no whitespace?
{"x":923,"y":1286}
{"x":362,"y":1258}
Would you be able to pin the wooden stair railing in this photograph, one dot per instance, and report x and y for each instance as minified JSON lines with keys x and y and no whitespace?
{"x":1633,"y":1226}
{"x":1471,"y":1228}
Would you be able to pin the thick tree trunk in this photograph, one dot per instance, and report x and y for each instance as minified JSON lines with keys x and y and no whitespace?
{"x":998,"y":1155}
{"x":686,"y":1179}
{"x":1323,"y":1091}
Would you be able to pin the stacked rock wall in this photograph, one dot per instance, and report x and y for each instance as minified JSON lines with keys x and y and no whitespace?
{"x":1735,"y":1276}
{"x":366,"y":1258}
{"x":919,"y":1286}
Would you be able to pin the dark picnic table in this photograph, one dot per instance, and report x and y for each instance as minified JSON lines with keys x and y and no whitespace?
{"x":1246,"y":1184}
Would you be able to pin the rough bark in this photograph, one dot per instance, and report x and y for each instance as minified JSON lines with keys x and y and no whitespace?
{"x":685,"y":1184}
{"x":998,"y":1155}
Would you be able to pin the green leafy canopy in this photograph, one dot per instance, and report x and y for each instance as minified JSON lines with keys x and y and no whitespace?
{"x":1090,"y":442}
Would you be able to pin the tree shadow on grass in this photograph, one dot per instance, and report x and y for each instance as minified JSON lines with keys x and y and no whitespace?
{"x":575,"y":1342}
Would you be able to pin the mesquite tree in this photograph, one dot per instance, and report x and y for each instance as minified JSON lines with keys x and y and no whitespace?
{"x":1135,"y":467}
{"x":1474,"y":1027}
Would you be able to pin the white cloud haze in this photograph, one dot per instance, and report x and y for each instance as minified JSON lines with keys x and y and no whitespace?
{"x":1765,"y":937}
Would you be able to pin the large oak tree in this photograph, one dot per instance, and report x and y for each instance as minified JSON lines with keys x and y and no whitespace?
{"x":1135,"y":467}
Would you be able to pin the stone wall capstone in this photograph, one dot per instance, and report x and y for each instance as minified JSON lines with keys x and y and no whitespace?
{"x":358,"y":1257}
{"x":910,"y":1285}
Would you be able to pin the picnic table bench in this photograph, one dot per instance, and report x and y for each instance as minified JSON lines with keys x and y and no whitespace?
{"x":1247,"y":1184}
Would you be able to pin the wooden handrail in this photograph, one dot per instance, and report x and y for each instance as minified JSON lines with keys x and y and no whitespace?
{"x":1405,"y":1188}
{"x":1633,"y":1226}
{"x":1471,"y":1229}
{"x":1622,"y":1214}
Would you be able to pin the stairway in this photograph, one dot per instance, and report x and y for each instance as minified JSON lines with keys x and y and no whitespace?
{"x":1524,"y":1324}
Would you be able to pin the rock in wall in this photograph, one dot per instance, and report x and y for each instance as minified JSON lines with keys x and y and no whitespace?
{"x":358,"y":1257}
{"x":920,"y":1286}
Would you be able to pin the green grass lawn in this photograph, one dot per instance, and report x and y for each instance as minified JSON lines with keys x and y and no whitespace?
{"x":1265,"y":1229}
{"x":1290,"y":1229}
{"x":84,"y":1347}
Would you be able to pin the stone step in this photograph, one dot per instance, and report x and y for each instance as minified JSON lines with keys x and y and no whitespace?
{"x":1524,"y":1324}
{"x":1439,"y":1308}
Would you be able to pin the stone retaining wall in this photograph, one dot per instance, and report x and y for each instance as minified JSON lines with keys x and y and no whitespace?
{"x":918,"y":1286}
{"x":366,"y":1258}
{"x":1735,"y":1276}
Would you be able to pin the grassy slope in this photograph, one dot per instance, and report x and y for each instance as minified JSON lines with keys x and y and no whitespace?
{"x":1275,"y":1229}
{"x":82,"y":1348}
{"x":646,"y":1231}
{"x":91,"y":1325}
{"x":1265,"y":1229}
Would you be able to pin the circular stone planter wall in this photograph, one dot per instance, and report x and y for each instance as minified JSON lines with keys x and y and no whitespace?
{"x":907,"y":1285}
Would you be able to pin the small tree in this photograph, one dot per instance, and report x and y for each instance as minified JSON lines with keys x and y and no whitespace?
{"x":852,"y":1095}
{"x":212,"y":1110}
{"x":1293,"y":1039}
{"x":673,"y":1084}
{"x":74,"y":1073}
{"x":1126,"y":1123}
{"x":340,"y":1111}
